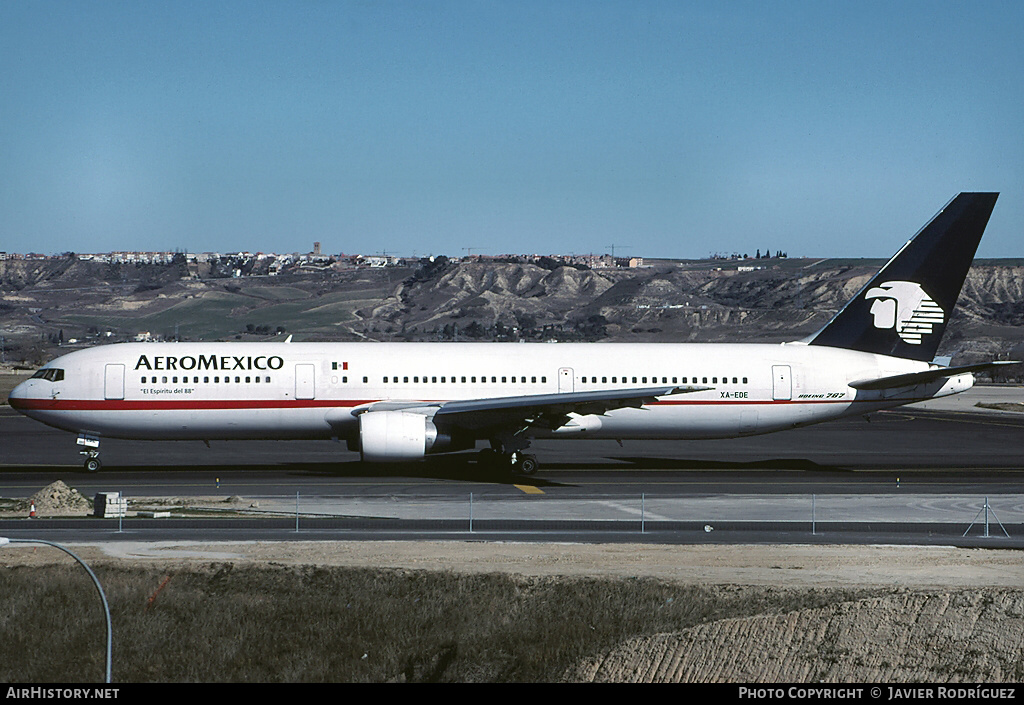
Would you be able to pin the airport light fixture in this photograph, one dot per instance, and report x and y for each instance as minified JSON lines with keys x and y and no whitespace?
{"x":99,"y":588}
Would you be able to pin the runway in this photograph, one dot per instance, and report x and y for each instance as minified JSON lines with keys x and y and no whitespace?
{"x":918,"y":474}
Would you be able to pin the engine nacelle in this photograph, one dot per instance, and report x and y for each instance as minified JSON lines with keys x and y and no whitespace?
{"x":394,"y":436}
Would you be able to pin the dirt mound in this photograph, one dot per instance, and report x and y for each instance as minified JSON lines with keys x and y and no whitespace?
{"x":975,"y":636}
{"x":57,"y":499}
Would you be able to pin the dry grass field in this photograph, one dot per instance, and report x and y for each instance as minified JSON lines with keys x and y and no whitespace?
{"x":480,"y":612}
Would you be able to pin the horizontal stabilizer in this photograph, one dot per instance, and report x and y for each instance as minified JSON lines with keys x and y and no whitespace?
{"x":913,"y":378}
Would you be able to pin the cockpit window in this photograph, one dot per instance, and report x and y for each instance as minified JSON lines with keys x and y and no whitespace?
{"x":50,"y":374}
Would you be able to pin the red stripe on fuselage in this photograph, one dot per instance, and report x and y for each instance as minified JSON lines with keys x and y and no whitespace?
{"x":178,"y":404}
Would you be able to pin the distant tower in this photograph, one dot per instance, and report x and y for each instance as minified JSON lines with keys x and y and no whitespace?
{"x":316,"y":249}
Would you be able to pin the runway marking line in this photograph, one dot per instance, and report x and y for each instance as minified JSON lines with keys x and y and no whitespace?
{"x":529,"y":489}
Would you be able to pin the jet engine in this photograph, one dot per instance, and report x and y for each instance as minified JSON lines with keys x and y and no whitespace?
{"x":390,"y":436}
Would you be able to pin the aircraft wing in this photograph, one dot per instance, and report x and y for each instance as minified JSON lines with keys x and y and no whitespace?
{"x":548,"y":410}
{"x":912,"y":378}
{"x":545,"y":410}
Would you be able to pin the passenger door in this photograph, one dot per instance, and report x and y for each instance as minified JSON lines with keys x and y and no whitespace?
{"x":113,"y":382}
{"x":565,"y":380}
{"x":305,"y":381}
{"x":782,"y":383}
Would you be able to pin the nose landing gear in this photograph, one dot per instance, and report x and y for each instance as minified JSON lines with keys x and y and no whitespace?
{"x":91,"y":452}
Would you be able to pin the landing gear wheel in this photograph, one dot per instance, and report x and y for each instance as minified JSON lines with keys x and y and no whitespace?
{"x":526,"y":465}
{"x":93,"y":465}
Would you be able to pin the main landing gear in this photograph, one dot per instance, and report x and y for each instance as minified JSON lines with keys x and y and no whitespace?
{"x":525,"y":463}
{"x":508,"y":452}
{"x":517,"y":463}
{"x":91,"y":452}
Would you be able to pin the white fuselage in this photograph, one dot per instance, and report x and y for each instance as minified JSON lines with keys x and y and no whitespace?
{"x":212,"y":391}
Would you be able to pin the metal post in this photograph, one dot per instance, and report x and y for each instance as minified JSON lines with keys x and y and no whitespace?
{"x":813,"y":528}
{"x":95,"y":580}
{"x":296,"y":512}
{"x":470,"y":512}
{"x":643,"y":515}
{"x":987,"y":508}
{"x":986,"y":517}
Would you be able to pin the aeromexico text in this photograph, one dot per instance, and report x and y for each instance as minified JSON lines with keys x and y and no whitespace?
{"x":210,"y":362}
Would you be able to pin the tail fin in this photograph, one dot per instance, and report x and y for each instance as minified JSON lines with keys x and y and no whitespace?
{"x":904,"y":309}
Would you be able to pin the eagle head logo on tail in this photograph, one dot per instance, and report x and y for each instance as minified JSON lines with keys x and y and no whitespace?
{"x":906,"y":308}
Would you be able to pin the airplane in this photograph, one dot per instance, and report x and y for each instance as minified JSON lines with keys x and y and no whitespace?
{"x":396,"y":402}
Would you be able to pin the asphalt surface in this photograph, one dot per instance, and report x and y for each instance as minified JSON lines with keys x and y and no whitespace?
{"x":913,"y":475}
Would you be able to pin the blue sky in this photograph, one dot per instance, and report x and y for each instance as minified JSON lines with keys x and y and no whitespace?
{"x":669,"y":129}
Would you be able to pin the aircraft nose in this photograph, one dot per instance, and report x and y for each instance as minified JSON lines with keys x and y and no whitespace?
{"x":18,"y":395}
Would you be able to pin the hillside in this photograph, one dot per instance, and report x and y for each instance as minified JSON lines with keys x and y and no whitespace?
{"x":49,"y":303}
{"x":971,"y":636}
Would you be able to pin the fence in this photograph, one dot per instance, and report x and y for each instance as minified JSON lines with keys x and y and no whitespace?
{"x":643,"y":513}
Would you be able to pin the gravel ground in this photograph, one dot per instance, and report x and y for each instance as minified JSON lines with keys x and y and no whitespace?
{"x":918,"y":567}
